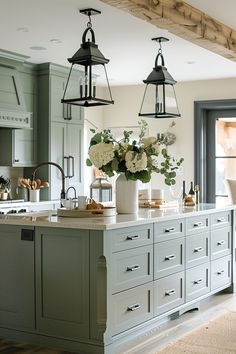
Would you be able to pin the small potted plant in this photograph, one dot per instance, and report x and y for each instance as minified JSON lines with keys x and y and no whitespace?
{"x":4,"y":187}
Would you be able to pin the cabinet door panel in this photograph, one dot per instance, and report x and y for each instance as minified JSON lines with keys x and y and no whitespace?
{"x":16,"y":279}
{"x":131,"y":268}
{"x":131,"y":307}
{"x":74,"y":148}
{"x":62,"y":282}
{"x":221,"y":272}
{"x":169,"y":293}
{"x":57,"y":88}
{"x":58,"y":155}
{"x":220,"y":242}
{"x":197,"y":249}
{"x":169,"y":257}
{"x":197,"y":281}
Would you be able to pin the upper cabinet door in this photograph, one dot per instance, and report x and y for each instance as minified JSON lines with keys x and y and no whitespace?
{"x":58,"y":155}
{"x":62,"y":111}
{"x":74,"y":148}
{"x":11,"y":91}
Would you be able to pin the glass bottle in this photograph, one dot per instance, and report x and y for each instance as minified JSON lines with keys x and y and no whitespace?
{"x":191,"y":191}
{"x":197,"y":194}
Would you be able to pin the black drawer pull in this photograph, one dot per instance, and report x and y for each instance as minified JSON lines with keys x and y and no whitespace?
{"x":197,"y":224}
{"x":133,"y":307}
{"x":135,"y":237}
{"x":219,"y":243}
{"x":221,"y":220}
{"x":220,"y":272}
{"x":198,"y":249}
{"x":170,"y":257}
{"x":170,"y":229}
{"x":170,"y":292}
{"x":197,"y":281}
{"x":133,"y":268}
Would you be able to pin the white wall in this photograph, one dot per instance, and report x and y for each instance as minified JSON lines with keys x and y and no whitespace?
{"x":93,"y":118}
{"x":127,"y":104}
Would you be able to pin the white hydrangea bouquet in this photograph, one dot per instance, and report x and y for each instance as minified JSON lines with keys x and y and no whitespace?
{"x":137,"y":159}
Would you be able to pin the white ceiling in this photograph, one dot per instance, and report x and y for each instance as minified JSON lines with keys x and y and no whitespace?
{"x":122,"y":38}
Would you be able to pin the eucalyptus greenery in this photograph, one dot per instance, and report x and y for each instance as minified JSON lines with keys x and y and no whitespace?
{"x":137,"y":159}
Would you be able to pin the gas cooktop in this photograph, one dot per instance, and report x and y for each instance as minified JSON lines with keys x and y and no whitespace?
{"x":11,"y":201}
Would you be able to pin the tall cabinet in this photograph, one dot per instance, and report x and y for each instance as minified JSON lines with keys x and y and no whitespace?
{"x":60,"y":132}
{"x":18,"y":92}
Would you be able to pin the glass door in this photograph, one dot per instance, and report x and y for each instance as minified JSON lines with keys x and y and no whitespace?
{"x":220,"y":153}
{"x":225,"y":155}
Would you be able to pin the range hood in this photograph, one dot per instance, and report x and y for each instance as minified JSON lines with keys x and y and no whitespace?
{"x":13,"y":112}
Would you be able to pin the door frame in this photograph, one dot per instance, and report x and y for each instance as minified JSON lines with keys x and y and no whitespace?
{"x":200,"y":137}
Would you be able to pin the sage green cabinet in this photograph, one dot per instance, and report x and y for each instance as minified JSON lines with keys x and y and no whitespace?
{"x":67,"y":152}
{"x":61,"y":111}
{"x":60,"y":132}
{"x":18,"y":88}
{"x":62,"y":282}
{"x":17,"y":296}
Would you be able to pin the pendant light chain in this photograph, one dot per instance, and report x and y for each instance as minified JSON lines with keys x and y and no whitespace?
{"x":89,"y":24}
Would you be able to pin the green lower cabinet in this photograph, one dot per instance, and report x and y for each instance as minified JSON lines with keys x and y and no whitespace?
{"x":197,"y":281}
{"x":62,"y":282}
{"x":17,"y":304}
{"x":169,"y":293}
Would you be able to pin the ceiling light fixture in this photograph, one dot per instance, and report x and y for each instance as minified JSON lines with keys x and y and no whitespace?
{"x":90,"y":59}
{"x":159,"y":100}
{"x":55,"y":40}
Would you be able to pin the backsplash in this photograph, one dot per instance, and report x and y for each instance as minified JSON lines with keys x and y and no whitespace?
{"x":13,"y":173}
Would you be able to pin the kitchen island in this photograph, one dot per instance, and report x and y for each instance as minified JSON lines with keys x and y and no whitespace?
{"x":91,"y":285}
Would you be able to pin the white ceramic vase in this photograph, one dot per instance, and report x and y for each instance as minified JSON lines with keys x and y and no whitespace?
{"x":126,"y":195}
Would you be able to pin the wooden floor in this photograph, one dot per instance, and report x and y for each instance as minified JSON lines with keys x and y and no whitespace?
{"x":7,"y":347}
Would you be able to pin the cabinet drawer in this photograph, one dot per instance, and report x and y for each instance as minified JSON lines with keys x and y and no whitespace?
{"x":128,"y":238}
{"x":197,"y":224}
{"x":220,"y":219}
{"x":168,"y":230}
{"x":169,"y":257}
{"x":220,"y":272}
{"x":132,"y":307}
{"x":220,"y":242}
{"x":197,"y":281}
{"x":131,"y":268}
{"x":168,"y":293}
{"x":197,"y":249}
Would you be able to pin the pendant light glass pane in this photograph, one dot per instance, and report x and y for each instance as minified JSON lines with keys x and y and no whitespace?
{"x":88,"y":86}
{"x":159,"y":102}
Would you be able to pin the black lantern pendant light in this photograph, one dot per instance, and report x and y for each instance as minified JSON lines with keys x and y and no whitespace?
{"x":80,"y":89}
{"x":159,"y":100}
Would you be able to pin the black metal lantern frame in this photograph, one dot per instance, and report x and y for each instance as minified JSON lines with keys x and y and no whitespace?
{"x":101,"y":190}
{"x":88,"y":56}
{"x":159,"y":90}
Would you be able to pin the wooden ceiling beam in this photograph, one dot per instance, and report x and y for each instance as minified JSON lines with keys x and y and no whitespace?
{"x":184,"y":21}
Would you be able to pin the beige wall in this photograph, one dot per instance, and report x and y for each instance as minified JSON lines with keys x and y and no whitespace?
{"x":127,"y":104}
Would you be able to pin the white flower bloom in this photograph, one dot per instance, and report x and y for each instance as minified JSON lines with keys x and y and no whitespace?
{"x":149,"y":141}
{"x":135,"y":162}
{"x":100,"y":154}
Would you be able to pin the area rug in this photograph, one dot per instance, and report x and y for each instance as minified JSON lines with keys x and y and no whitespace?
{"x":216,"y":337}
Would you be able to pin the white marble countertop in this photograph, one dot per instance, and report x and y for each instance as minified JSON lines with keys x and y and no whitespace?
{"x":145,"y":216}
{"x":15,"y":203}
